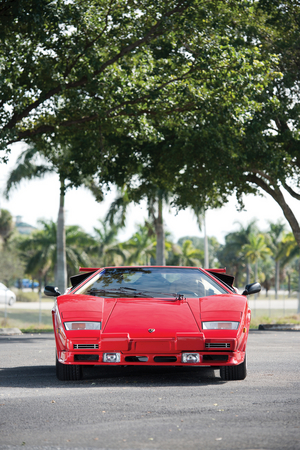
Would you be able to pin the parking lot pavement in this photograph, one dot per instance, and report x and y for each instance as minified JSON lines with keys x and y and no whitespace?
{"x":144,"y":408}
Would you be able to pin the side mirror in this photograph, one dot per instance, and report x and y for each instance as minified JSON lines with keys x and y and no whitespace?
{"x":51,"y":291}
{"x":252,"y":288}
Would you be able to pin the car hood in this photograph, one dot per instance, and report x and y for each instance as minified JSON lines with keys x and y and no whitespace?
{"x":137,"y":316}
{"x":161,"y":318}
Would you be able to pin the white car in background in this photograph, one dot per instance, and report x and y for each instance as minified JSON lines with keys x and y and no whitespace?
{"x":6,"y":295}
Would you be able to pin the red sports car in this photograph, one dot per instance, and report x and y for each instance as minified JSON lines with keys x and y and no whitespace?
{"x":146,"y":315}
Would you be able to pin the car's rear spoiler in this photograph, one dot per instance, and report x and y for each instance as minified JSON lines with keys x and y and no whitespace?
{"x":222,"y":276}
{"x":79,"y":278}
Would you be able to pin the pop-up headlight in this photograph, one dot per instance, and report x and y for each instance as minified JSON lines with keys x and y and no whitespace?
{"x":220,"y":325}
{"x":82,"y":325}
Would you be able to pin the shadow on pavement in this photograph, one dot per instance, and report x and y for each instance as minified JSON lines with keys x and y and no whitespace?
{"x":44,"y":376}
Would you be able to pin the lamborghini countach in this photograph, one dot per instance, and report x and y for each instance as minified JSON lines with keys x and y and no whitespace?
{"x":151,"y":316}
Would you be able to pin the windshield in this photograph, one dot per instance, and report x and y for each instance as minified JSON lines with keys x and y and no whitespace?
{"x":157,"y":282}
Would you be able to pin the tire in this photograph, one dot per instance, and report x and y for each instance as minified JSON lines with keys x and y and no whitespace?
{"x":11,"y":301}
{"x":66,"y":372}
{"x":234,"y":372}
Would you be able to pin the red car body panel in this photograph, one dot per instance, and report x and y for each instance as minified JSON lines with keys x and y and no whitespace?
{"x":152,"y":329}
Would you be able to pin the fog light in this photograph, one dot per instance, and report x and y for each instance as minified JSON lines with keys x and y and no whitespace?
{"x":111,"y":357}
{"x":190,"y":358}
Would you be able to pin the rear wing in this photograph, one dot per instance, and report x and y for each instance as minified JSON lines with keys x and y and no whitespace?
{"x":222,"y":276}
{"x":79,"y":278}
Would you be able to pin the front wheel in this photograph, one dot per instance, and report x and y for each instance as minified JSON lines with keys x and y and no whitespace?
{"x":234,"y":372}
{"x":66,"y":372}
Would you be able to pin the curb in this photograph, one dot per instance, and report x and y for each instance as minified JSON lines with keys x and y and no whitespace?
{"x":9,"y":331}
{"x":279,"y":327}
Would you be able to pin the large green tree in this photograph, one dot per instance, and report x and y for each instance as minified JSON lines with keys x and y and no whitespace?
{"x":82,"y":69}
{"x":244,"y":142}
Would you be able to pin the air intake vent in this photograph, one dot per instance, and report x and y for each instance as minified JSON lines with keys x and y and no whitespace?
{"x":166,"y":359}
{"x":136,"y":358}
{"x":223,"y":358}
{"x":85,"y":346}
{"x":217,"y":345}
{"x":89,"y":357}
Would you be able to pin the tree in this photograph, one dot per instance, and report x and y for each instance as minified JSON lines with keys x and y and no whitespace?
{"x":275,"y":236}
{"x":6,"y":226}
{"x":142,"y":246}
{"x":32,"y":163}
{"x":247,"y":147}
{"x":289,"y":251}
{"x":39,"y":250}
{"x":87,"y":70}
{"x":232,"y":256}
{"x":155,"y":199}
{"x":105,"y":247}
{"x":201,"y":221}
{"x":190,"y":256}
{"x":256,"y":250}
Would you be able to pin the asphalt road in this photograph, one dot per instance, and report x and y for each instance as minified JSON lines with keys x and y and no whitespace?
{"x":158,"y":408}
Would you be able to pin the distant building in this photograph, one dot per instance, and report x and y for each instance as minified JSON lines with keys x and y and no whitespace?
{"x":23,"y":227}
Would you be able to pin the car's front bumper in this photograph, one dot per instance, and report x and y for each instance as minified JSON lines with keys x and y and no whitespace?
{"x":216,"y":358}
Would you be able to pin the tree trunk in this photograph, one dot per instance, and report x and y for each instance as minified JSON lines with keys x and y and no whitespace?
{"x":298,"y":309}
{"x":277,"y":195}
{"x":248,"y":273}
{"x":277,"y":264}
{"x":160,"y":236}
{"x":61,"y":270}
{"x":206,"y":255}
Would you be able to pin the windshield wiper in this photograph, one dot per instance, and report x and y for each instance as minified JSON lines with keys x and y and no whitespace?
{"x":136,"y":292}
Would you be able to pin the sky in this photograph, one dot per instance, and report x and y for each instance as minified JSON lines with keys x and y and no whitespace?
{"x":39,"y":199}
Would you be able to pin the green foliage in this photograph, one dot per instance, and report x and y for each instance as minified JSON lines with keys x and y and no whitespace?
{"x":39,"y":250}
{"x":6,"y":226}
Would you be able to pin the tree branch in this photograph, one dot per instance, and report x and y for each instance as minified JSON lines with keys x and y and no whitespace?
{"x":277,"y":195}
{"x":291,"y":191}
{"x":152,"y":33}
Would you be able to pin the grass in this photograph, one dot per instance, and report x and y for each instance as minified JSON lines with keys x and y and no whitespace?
{"x":29,"y":296}
{"x":274,"y":319}
{"x":27,"y":320}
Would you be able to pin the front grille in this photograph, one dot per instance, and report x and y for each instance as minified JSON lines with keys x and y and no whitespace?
{"x":85,"y":346}
{"x":217,"y":345}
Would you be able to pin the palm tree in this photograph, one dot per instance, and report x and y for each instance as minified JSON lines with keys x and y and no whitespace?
{"x":232,"y":251}
{"x":6,"y":225}
{"x":156,"y":198}
{"x":289,"y":250}
{"x":33,"y":164}
{"x":200,"y":214}
{"x":142,"y":245}
{"x":105,"y":245}
{"x":256,"y":250}
{"x":275,"y":236}
{"x":40,"y":250}
{"x":190,"y":255}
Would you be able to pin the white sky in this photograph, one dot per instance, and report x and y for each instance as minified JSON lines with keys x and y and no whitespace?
{"x":39,"y":199}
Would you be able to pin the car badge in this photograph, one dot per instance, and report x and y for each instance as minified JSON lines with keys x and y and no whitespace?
{"x":151,"y":330}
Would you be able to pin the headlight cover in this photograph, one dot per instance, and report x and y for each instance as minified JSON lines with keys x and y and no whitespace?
{"x":220,"y":325}
{"x":82,"y":325}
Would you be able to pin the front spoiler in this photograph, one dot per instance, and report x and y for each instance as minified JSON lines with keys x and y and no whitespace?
{"x":206,"y":358}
